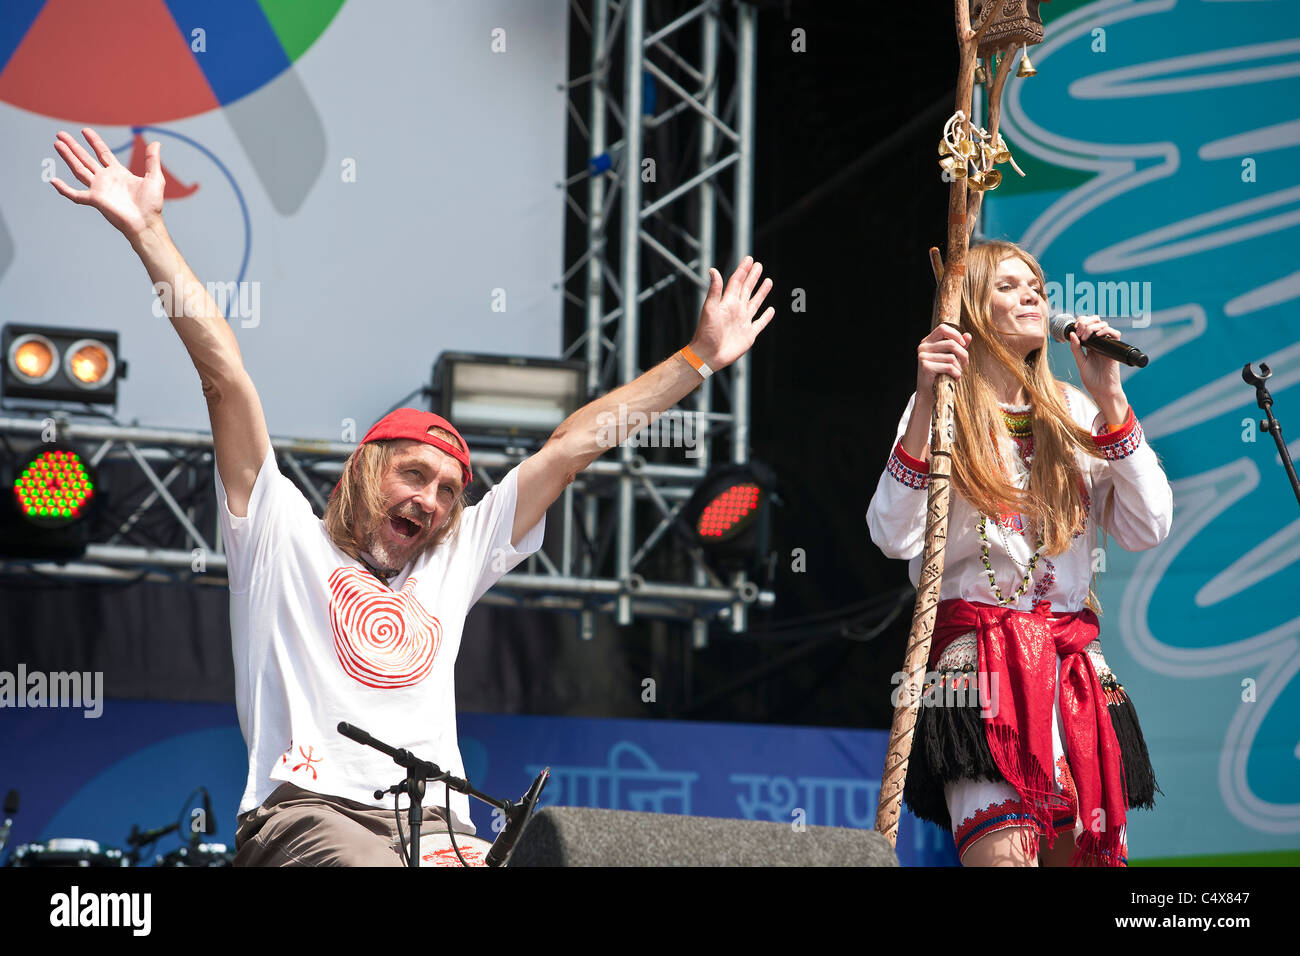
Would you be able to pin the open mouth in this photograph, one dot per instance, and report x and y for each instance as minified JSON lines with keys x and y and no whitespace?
{"x":403,"y":527}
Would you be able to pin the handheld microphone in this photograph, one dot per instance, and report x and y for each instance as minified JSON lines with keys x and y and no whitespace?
{"x":1062,"y":324}
{"x":517,"y":818}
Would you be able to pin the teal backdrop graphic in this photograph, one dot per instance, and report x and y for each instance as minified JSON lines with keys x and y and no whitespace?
{"x":1161,"y":145}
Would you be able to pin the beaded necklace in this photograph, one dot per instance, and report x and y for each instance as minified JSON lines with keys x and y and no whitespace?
{"x":1019,"y":422}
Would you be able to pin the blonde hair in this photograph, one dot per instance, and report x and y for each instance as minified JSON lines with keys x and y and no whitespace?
{"x":357,"y":503}
{"x":1053,"y":500}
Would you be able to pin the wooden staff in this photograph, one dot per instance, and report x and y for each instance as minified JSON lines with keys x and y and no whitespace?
{"x":961,"y":216}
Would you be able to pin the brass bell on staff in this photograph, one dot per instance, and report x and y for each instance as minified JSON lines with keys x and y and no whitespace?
{"x":953,"y":158}
{"x":1000,"y":152}
{"x":1026,"y":68}
{"x":964,"y":148}
{"x":953,"y":167}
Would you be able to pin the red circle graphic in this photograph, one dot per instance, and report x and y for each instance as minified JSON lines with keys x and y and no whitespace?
{"x":383,"y":638}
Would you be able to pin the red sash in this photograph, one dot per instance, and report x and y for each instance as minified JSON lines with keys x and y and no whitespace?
{"x":1018,"y":651}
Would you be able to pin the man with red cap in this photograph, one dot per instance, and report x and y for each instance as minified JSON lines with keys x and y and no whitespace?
{"x":358,"y":617}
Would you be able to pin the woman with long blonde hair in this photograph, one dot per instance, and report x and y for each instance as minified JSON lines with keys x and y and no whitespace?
{"x":1026,"y":745}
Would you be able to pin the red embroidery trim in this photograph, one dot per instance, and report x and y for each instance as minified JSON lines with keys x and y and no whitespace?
{"x":1121,"y":442}
{"x":908,"y":470}
{"x":997,"y":816}
{"x":1046,"y":581}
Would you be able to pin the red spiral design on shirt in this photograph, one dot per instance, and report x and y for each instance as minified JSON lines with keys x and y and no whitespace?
{"x":383,"y":638}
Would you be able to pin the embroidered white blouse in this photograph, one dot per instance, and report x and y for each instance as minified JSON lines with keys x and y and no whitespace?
{"x":1127,"y":493}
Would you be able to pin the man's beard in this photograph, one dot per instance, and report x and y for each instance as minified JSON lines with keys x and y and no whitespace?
{"x":387,"y":556}
{"x":384,"y":557}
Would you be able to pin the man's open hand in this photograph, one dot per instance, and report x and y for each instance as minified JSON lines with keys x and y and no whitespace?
{"x":131,"y":203}
{"x":727,"y":328}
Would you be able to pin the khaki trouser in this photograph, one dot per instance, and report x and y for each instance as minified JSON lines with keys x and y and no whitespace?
{"x":296,"y":827}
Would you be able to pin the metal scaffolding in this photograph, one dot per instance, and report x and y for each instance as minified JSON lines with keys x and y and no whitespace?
{"x":637,"y":69}
{"x":661,"y":87}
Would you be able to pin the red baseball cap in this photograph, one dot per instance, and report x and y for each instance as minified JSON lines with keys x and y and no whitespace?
{"x":414,"y":424}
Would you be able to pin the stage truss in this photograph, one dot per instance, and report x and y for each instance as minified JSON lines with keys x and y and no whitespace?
{"x":692,"y":76}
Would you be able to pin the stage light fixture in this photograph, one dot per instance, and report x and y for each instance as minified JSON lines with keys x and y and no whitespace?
{"x":510,"y":396}
{"x":33,"y":359}
{"x":51,"y":495}
{"x":54,"y":488}
{"x":730,"y":514}
{"x":60,"y":365}
{"x":89,"y":364}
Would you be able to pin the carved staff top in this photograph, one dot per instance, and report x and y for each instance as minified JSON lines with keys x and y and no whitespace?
{"x":1015,"y":23}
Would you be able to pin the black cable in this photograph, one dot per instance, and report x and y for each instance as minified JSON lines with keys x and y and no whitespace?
{"x":140,"y":847}
{"x":839,"y":620}
{"x":838,"y":613}
{"x":180,"y":819}
{"x":869,"y":635}
{"x":451,"y":832}
{"x":401,"y":840}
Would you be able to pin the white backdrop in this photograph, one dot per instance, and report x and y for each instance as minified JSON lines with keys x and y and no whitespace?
{"x":457,"y":149}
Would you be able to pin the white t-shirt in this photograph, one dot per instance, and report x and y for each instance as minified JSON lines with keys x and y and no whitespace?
{"x":1127,"y":493}
{"x":318,"y":639}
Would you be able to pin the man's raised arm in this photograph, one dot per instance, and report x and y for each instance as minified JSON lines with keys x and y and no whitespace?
{"x":725,"y":332}
{"x":133,"y":205}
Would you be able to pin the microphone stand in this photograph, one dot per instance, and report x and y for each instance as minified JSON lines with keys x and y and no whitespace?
{"x":417,"y":772}
{"x":137,"y":841}
{"x":1269,"y":423}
